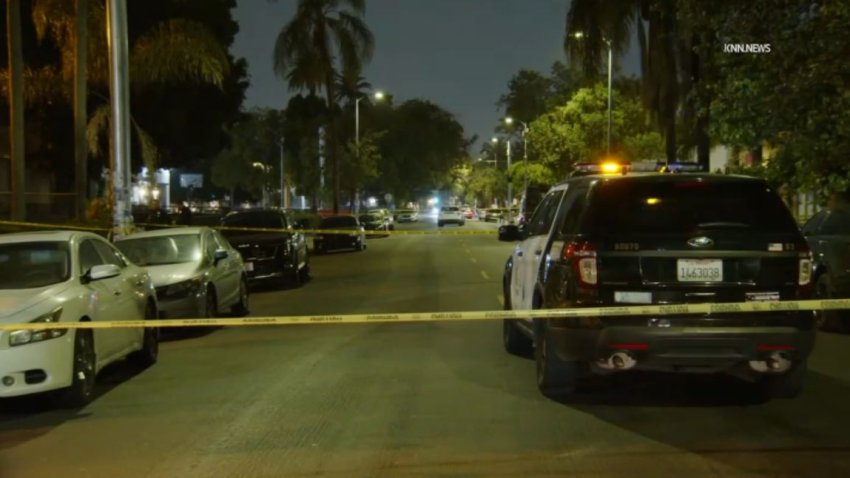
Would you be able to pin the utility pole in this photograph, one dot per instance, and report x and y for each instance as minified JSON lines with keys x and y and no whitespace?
{"x":119,"y":79}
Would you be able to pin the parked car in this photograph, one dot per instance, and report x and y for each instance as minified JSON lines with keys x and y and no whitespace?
{"x":450,"y":215}
{"x":70,"y":276}
{"x":494,"y":214}
{"x":374,"y":222}
{"x":353,"y":236}
{"x":275,"y":250}
{"x":406,"y":215}
{"x":597,"y":241}
{"x":828,"y":234}
{"x":385,"y":213}
{"x":469,"y":213}
{"x":196,"y":272}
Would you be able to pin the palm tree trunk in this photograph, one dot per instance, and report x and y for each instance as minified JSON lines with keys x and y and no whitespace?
{"x":16,"y":108}
{"x":80,"y":110}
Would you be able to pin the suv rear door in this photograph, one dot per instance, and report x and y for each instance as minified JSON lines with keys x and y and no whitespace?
{"x":531,"y":251}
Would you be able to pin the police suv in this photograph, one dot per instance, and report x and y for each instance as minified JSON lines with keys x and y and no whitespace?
{"x":601,"y":240}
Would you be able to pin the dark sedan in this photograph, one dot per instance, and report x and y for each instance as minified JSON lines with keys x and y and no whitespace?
{"x":350,"y":235}
{"x":274,"y":251}
{"x":828,"y":235}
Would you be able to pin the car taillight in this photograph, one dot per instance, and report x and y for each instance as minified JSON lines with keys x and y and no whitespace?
{"x":582,"y":256}
{"x":804,"y":277}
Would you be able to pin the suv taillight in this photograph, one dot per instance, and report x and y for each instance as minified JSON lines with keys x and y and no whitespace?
{"x":804,"y":277}
{"x":582,"y":256}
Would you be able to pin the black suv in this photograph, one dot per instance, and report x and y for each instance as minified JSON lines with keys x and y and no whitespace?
{"x":280,"y":252}
{"x":661,"y":239}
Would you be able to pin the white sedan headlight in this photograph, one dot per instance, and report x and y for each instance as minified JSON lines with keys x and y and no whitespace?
{"x":22,"y":337}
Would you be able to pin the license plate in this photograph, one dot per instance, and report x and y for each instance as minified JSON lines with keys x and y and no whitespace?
{"x":700,"y":270}
{"x":249,"y":266}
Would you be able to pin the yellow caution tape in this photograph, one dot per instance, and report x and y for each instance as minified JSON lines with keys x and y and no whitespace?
{"x":53,"y":226}
{"x":645,"y":310}
{"x":442,"y":232}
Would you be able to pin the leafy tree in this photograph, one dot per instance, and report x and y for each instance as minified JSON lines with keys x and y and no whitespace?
{"x":324,"y":38}
{"x":794,"y":98}
{"x":251,"y":163}
{"x":527,"y":97}
{"x":488,"y":185}
{"x":576,"y":132}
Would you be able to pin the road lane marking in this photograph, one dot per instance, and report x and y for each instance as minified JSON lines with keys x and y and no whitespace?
{"x":484,"y":275}
{"x":501,"y":299}
{"x":474,"y":260}
{"x":468,"y":251}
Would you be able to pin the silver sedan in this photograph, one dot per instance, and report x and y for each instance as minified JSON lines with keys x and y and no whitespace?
{"x":195,"y":270}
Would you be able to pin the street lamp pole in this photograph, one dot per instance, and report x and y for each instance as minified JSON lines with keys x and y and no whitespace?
{"x":508,"y":174}
{"x":525,"y":156}
{"x":610,"y":62}
{"x":284,"y":197}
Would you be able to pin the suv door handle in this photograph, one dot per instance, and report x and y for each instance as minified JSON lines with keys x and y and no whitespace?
{"x":116,"y":292}
{"x":519,"y":253}
{"x":538,"y":252}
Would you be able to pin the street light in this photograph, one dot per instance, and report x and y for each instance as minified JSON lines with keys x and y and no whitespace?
{"x":509,"y":121}
{"x":579,"y":36}
{"x":378,"y":95}
{"x":495,"y":141}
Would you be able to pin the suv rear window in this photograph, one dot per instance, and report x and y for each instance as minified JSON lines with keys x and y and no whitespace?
{"x":450,"y":209}
{"x":685,"y":206}
{"x":266,"y":220}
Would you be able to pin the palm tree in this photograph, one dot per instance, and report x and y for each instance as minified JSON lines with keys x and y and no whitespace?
{"x":324,"y":38}
{"x":173,"y":51}
{"x":16,"y":106}
{"x":666,"y":53}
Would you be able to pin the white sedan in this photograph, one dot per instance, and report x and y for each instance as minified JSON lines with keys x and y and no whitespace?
{"x":195,"y":270}
{"x":69,"y":276}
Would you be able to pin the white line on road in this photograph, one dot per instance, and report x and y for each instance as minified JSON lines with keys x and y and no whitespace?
{"x":474,"y":260}
{"x":501,"y":299}
{"x":468,"y":251}
{"x":484,"y":275}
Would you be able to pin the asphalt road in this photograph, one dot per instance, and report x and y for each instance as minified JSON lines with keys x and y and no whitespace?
{"x":432,"y":400}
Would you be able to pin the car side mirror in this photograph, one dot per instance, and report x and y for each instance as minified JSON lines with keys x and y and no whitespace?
{"x":510,"y":232}
{"x":101,"y":271}
{"x":219,"y":255}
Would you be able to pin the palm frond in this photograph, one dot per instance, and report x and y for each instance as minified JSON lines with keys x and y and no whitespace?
{"x":150,"y":153}
{"x":54,"y":18}
{"x":41,"y":85}
{"x":97,"y":128}
{"x":179,"y":50}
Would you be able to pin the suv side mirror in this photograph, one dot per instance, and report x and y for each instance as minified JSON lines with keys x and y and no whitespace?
{"x":219,"y":255}
{"x":509,"y":233}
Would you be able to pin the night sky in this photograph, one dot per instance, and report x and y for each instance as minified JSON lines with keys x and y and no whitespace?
{"x":459,"y":54}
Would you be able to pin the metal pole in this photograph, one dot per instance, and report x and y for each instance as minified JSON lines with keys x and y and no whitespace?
{"x":357,"y":121}
{"x":284,"y":198}
{"x":610,"y":58}
{"x":510,"y":186}
{"x":525,"y":156}
{"x":119,"y":78}
{"x":357,"y":145}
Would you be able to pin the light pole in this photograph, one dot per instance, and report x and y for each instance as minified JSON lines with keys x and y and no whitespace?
{"x":284,"y":197}
{"x":579,"y":36}
{"x":266,"y":169}
{"x":509,"y":121}
{"x":378,"y":95}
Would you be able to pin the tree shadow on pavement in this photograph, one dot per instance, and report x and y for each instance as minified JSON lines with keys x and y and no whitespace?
{"x":28,"y":417}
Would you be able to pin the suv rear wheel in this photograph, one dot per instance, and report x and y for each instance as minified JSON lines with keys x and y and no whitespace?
{"x":556,"y":378}
{"x":786,"y":385}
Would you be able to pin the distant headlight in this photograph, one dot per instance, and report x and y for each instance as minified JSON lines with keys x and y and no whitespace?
{"x":181,"y":289}
{"x":22,"y":337}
